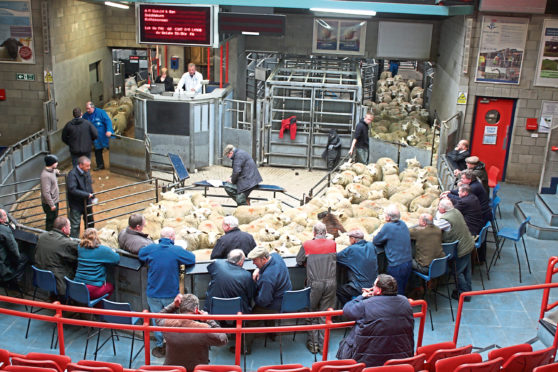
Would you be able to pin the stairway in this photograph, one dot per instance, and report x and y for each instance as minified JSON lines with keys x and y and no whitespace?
{"x":544,"y":216}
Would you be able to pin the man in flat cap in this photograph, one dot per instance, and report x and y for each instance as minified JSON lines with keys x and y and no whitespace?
{"x":360,"y":260}
{"x":50,"y":194}
{"x":245,"y":176}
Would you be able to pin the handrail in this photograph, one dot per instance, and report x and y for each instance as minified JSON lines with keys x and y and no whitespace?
{"x":551,"y":269}
{"x":146,"y":328}
{"x":327,"y":176}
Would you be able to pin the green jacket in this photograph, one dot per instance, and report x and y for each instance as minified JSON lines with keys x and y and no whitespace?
{"x":459,"y":231}
{"x":58,"y":253}
{"x":9,"y":253}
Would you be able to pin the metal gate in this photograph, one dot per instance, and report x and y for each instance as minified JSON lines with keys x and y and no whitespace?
{"x":322,"y":97}
{"x":238,"y":127}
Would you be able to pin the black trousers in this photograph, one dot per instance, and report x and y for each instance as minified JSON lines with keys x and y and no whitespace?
{"x":99,"y":158}
{"x":50,"y":216}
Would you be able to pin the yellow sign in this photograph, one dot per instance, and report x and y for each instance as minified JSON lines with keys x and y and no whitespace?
{"x":48,"y":77}
{"x":462,"y":98}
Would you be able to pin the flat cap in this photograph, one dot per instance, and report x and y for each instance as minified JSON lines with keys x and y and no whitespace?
{"x":472,"y":160}
{"x":228,"y":149}
{"x":356,"y":234}
{"x":258,"y":252}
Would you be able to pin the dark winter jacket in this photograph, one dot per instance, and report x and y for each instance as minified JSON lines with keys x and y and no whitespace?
{"x":456,"y":159}
{"x":360,"y":259}
{"x":383,"y":330}
{"x":332,"y":152}
{"x":478,"y":190}
{"x":9,"y":253}
{"x":395,"y":240}
{"x":132,"y":240}
{"x":245,"y":171}
{"x":233,"y":239}
{"x":361,"y":135}
{"x":480,"y":171}
{"x":470,"y":208}
{"x":79,"y":187}
{"x":227,"y":281}
{"x":273,"y":283}
{"x":79,"y":134}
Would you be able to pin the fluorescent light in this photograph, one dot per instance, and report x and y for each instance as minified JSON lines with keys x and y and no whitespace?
{"x":117,"y":5}
{"x":345,"y":11}
{"x":250,"y":33}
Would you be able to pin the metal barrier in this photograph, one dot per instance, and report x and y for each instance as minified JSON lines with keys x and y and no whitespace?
{"x":146,"y":328}
{"x":551,"y":270}
{"x":446,"y":178}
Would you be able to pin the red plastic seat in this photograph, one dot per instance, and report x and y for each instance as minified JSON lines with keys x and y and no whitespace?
{"x":343,"y":368}
{"x":61,"y":360}
{"x":548,"y":368}
{"x":36,"y":363}
{"x":13,"y":368}
{"x":79,"y":367}
{"x":506,"y":352}
{"x":428,"y":350}
{"x":299,"y":369}
{"x":338,"y":362}
{"x":526,"y":361}
{"x":162,"y":368}
{"x":4,"y":358}
{"x":488,"y":366}
{"x":493,"y":173}
{"x":115,"y":367}
{"x":279,"y":367}
{"x":391,"y":368}
{"x":217,"y":368}
{"x":450,"y":364}
{"x":430,"y":364}
{"x":416,"y":361}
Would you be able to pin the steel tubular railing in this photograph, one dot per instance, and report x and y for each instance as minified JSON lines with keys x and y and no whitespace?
{"x":146,"y":328}
{"x":551,"y":270}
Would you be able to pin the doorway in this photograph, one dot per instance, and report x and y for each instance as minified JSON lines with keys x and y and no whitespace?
{"x":492,"y":129}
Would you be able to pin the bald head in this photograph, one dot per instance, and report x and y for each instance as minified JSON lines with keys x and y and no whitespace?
{"x":3,"y":216}
{"x":167,"y":232}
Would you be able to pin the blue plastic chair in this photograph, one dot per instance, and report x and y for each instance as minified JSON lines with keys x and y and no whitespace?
{"x":450,"y":249}
{"x":481,"y":239}
{"x":494,"y":223}
{"x":438,"y":267}
{"x":225,"y":306}
{"x":45,"y":280}
{"x":294,"y":301}
{"x":515,"y":235}
{"x":130,"y":320}
{"x":79,"y":293}
{"x":494,"y":196}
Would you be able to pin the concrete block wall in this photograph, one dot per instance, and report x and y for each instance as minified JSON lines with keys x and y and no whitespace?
{"x":120,"y":27}
{"x":22,"y":111}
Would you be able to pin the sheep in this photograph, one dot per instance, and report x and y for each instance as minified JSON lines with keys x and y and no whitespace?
{"x":357,"y":192}
{"x":108,"y":237}
{"x":343,"y":178}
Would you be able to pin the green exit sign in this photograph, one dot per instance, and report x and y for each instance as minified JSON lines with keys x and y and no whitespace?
{"x":25,"y":76}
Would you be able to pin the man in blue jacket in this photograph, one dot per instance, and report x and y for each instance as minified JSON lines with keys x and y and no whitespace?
{"x":102,"y":122}
{"x":384,"y":326}
{"x":245,"y":176}
{"x":163,"y":260}
{"x":360,"y":260}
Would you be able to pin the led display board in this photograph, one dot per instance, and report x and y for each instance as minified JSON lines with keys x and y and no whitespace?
{"x":193,"y":25}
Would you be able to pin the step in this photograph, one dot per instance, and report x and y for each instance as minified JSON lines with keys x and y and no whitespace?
{"x":548,"y":206}
{"x":537,"y":228}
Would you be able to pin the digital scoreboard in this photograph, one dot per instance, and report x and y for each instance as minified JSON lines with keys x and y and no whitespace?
{"x":194,"y":25}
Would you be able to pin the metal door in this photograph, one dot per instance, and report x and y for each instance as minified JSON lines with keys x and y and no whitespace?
{"x":202,"y":132}
{"x":237,"y":128}
{"x":492,"y":130}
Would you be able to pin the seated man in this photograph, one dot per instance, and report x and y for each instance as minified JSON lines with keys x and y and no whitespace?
{"x":234,"y":238}
{"x":479,"y":170}
{"x":469,"y":178}
{"x":57,"y":252}
{"x":454,"y":228}
{"x":395,"y":241}
{"x":456,"y":157}
{"x":189,"y":349}
{"x":384,"y":326}
{"x":12,"y":263}
{"x":132,"y":239}
{"x":360,"y":260}
{"x":428,"y":243}
{"x":469,"y":206}
{"x":229,"y":279}
{"x":245,"y":175}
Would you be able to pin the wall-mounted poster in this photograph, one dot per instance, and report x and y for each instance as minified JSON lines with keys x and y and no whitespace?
{"x":16,"y":32}
{"x":547,"y":65}
{"x":501,"y":49}
{"x":339,"y":36}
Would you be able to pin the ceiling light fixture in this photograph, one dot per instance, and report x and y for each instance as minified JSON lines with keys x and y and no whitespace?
{"x":345,"y":11}
{"x":250,"y":33}
{"x":117,"y":5}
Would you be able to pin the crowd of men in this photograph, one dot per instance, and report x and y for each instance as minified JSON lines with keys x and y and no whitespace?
{"x":376,"y":302}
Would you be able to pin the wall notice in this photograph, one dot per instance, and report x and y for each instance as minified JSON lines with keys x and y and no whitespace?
{"x":547,"y":65}
{"x":16,"y":32}
{"x":549,"y":115}
{"x":338,"y":36}
{"x":501,"y":49}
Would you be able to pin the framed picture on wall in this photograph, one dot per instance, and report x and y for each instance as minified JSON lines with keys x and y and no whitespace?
{"x":16,"y":32}
{"x":501,"y":49}
{"x":339,"y":36}
{"x":547,"y":64}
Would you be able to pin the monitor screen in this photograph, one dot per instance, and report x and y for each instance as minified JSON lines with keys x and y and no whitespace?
{"x":175,"y":24}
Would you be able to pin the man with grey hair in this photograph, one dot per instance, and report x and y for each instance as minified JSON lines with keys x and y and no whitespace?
{"x":196,"y":344}
{"x":428,"y":243}
{"x":79,"y":194}
{"x":245,"y":175}
{"x":132,"y":239}
{"x":319,"y":257}
{"x":163,"y":260}
{"x":360,"y":260}
{"x":12,"y":263}
{"x":234,"y":238}
{"x":455,"y":228}
{"x":394,"y":240}
{"x":229,"y":279}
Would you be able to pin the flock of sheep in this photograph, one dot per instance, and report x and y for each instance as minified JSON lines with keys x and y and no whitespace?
{"x":120,"y":112}
{"x":355,"y":200}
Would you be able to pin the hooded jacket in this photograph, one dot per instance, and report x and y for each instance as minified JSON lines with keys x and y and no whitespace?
{"x":245,"y":171}
{"x":79,"y":135}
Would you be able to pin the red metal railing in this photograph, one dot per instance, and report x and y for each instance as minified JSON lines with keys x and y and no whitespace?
{"x":146,"y":328}
{"x":551,"y":269}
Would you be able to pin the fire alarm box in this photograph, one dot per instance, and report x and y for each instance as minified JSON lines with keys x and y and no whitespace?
{"x":174,"y":62}
{"x":2,"y":94}
{"x":532,"y":124}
